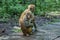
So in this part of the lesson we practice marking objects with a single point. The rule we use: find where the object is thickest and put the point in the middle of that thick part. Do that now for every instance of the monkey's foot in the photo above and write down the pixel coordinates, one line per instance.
(24, 34)
(36, 30)
(27, 35)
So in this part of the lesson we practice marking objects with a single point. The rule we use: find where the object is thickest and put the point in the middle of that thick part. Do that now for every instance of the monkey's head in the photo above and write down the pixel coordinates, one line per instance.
(31, 7)
(28, 16)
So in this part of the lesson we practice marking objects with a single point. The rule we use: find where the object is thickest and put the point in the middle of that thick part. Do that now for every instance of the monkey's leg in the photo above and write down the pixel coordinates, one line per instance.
(24, 33)
(23, 30)
(30, 30)
(35, 26)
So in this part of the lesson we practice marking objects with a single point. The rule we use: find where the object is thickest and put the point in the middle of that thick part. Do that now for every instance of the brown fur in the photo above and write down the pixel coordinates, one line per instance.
(23, 16)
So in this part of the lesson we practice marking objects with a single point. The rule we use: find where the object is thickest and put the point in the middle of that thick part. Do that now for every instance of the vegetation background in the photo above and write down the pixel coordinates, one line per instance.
(13, 8)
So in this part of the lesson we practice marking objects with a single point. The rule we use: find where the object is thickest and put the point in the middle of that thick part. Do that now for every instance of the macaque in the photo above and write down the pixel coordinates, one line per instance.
(27, 20)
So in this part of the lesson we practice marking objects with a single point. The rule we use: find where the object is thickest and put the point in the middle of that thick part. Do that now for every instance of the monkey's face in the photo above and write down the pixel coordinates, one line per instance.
(28, 16)
(31, 7)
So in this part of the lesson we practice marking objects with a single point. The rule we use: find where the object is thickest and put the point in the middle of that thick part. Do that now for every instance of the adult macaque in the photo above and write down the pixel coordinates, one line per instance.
(27, 20)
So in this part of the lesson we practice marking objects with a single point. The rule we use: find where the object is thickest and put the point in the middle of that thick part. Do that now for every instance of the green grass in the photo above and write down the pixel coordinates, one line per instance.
(17, 30)
(54, 21)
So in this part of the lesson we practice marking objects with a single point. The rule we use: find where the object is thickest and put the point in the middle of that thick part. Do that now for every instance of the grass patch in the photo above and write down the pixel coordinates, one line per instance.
(54, 21)
(17, 30)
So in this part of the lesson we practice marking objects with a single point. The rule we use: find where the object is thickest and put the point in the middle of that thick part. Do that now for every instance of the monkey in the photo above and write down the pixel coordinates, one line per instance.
(26, 26)
(27, 20)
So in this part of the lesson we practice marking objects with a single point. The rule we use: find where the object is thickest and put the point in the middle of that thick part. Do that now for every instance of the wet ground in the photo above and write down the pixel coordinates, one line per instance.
(45, 32)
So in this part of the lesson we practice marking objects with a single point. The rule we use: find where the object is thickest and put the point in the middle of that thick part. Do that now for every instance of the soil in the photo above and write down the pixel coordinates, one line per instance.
(45, 32)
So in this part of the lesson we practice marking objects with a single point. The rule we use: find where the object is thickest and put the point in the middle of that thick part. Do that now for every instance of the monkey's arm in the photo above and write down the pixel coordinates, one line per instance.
(28, 23)
(33, 21)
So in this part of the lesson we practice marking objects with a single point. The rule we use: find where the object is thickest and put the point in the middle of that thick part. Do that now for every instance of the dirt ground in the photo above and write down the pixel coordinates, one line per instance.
(45, 32)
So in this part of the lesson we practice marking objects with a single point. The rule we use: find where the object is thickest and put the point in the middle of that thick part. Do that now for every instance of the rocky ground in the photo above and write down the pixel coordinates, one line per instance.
(45, 32)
